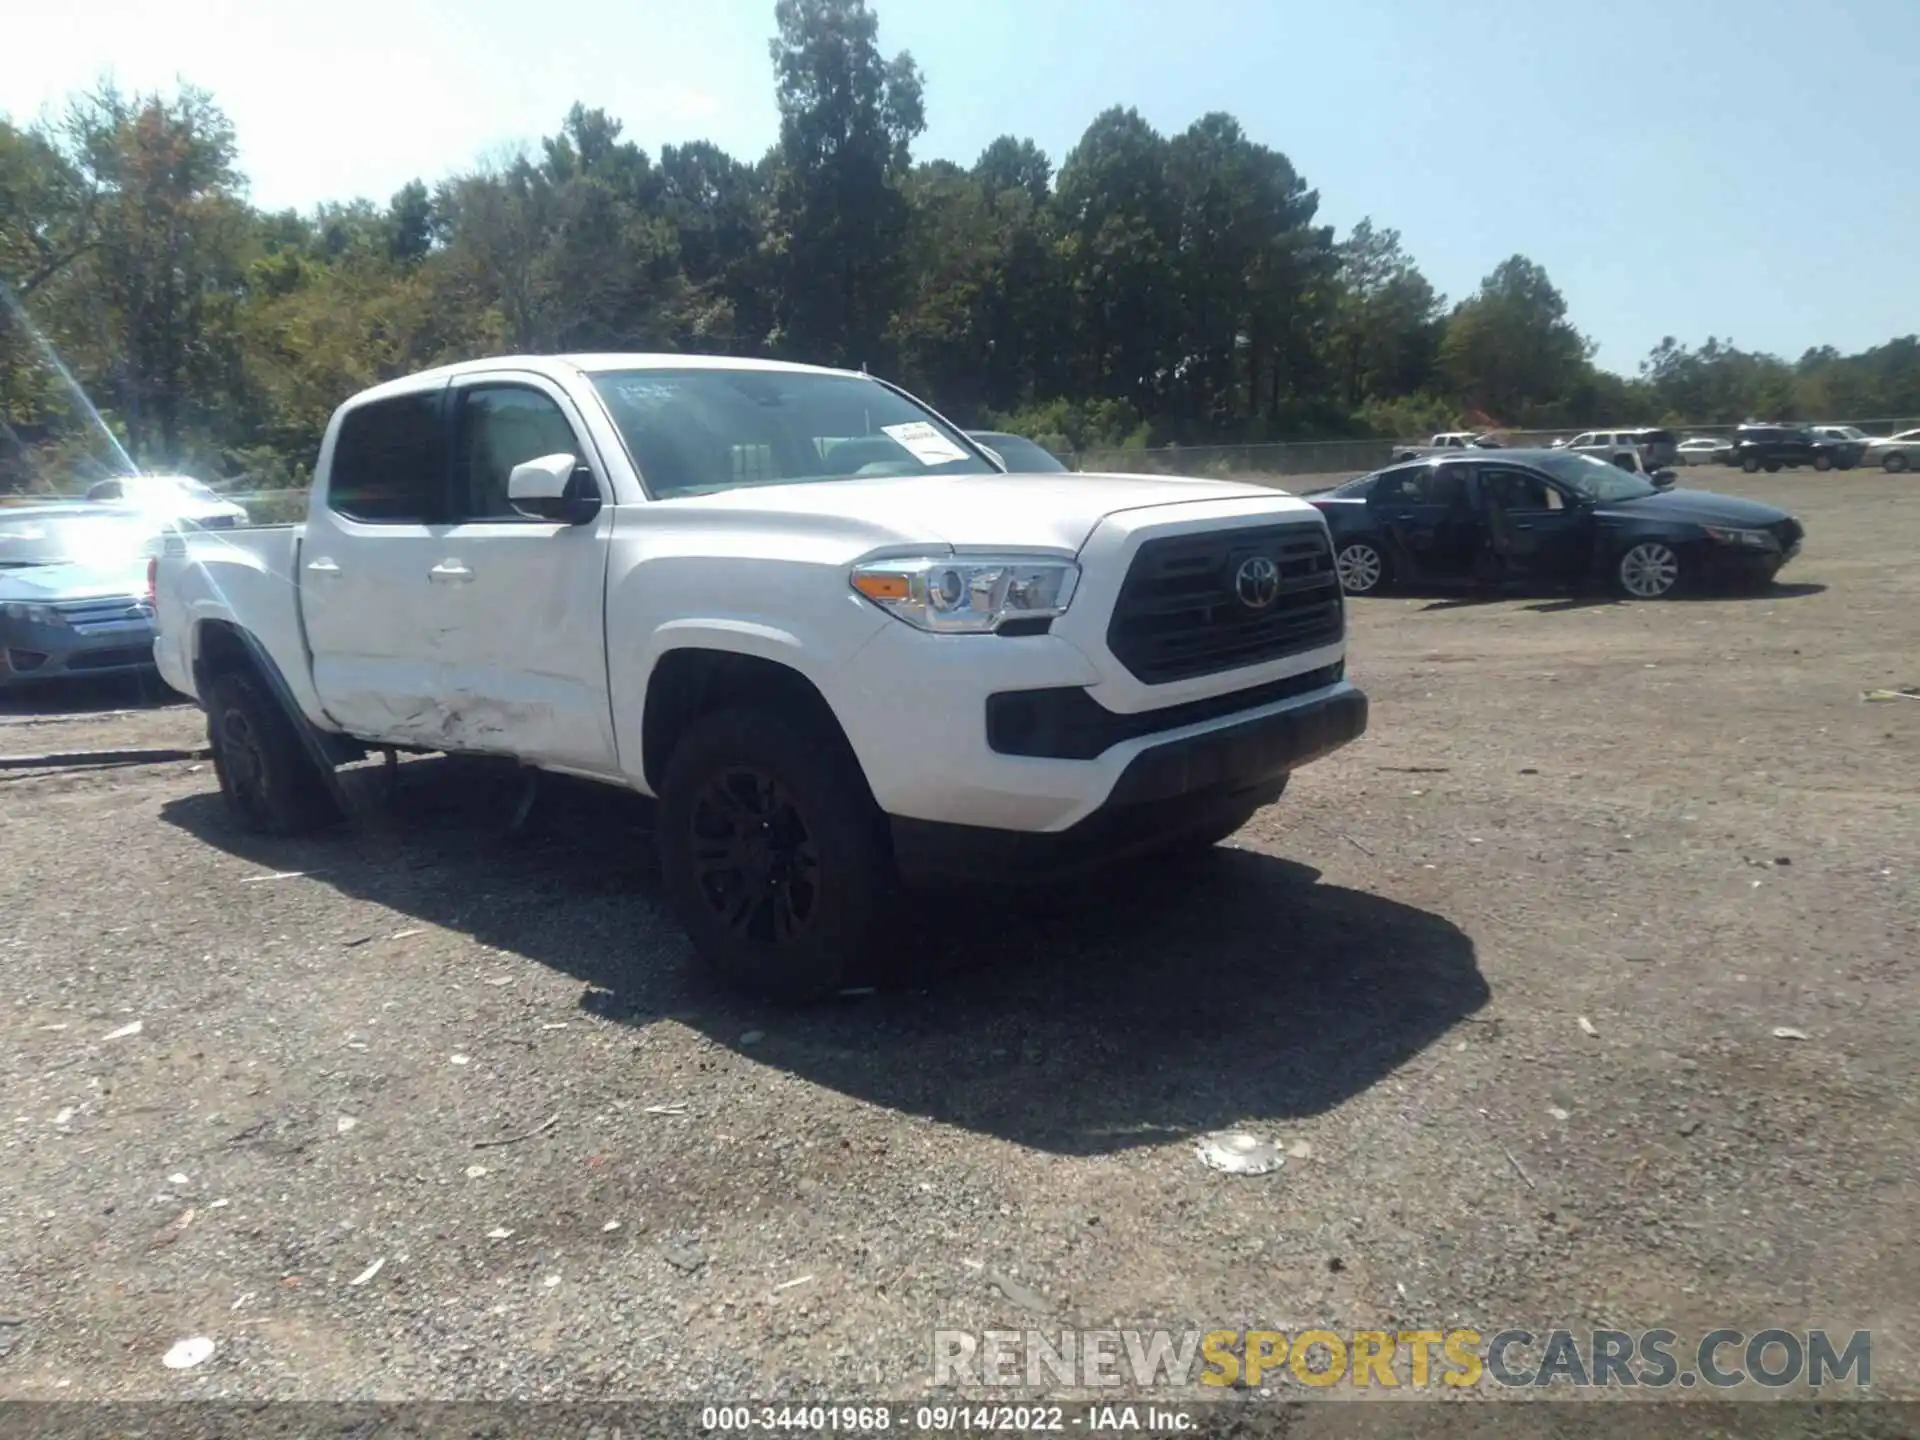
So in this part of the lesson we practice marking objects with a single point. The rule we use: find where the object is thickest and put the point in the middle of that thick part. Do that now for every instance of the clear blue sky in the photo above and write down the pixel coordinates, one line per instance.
(1734, 167)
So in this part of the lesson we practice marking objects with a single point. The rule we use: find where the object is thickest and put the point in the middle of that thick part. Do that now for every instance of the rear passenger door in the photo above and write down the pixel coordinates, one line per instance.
(521, 602)
(365, 597)
(1422, 513)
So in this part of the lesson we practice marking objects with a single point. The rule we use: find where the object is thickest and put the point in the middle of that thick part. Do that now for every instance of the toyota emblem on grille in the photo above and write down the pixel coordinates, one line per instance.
(1257, 582)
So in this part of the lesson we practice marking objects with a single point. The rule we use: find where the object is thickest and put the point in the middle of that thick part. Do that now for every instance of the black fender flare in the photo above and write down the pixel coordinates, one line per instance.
(328, 751)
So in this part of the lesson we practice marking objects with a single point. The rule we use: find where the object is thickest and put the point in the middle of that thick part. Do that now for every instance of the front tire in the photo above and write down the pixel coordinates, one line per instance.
(1649, 570)
(1751, 464)
(269, 781)
(1894, 463)
(1363, 568)
(1823, 462)
(772, 853)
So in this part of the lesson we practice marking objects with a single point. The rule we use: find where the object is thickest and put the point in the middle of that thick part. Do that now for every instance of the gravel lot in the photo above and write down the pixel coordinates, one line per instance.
(1680, 821)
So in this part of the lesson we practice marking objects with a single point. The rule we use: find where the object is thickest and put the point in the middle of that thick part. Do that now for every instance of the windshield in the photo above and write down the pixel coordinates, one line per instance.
(695, 432)
(100, 540)
(1358, 486)
(1022, 454)
(1594, 478)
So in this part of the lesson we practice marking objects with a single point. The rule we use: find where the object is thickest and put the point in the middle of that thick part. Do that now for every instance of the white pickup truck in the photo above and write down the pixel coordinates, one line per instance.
(839, 645)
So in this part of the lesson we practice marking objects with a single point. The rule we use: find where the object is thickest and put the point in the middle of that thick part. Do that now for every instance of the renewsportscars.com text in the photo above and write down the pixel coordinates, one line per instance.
(1512, 1358)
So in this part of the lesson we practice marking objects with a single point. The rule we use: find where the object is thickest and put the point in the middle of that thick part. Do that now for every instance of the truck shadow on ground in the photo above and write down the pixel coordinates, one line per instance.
(1160, 1000)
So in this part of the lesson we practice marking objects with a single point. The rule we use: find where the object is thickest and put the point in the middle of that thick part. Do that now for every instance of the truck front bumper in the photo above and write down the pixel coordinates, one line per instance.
(1168, 790)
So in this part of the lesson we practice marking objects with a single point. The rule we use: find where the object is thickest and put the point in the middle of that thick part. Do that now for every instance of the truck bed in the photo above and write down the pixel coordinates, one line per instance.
(212, 577)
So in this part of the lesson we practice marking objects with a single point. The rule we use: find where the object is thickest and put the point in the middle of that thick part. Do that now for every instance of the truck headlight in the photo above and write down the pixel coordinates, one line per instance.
(968, 594)
(1742, 539)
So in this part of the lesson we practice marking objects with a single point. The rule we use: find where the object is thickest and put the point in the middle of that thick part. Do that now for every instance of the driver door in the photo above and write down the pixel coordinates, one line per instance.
(1537, 528)
(519, 604)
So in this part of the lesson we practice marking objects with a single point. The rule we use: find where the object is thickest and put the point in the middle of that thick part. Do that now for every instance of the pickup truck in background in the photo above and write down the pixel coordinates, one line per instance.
(838, 644)
(1446, 442)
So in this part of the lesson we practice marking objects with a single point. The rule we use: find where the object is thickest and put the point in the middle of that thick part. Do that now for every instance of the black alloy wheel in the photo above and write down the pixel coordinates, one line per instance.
(755, 860)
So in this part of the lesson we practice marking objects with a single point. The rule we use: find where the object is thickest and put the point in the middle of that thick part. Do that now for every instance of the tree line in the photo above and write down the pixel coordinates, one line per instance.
(1151, 289)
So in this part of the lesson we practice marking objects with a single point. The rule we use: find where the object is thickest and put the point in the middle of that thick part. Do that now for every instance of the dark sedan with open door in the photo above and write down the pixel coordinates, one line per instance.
(1546, 517)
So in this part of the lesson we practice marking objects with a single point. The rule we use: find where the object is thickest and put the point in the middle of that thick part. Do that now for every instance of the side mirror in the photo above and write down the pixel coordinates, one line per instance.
(554, 487)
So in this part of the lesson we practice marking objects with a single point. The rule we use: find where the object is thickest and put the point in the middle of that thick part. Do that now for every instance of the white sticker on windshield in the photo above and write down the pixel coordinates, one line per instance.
(925, 443)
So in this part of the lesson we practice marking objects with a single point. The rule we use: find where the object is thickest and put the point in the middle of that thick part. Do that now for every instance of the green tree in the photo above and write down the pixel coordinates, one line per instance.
(1510, 350)
(848, 119)
(1119, 226)
(1386, 324)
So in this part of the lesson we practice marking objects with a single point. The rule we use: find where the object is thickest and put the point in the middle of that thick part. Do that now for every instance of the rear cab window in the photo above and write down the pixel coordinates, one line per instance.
(389, 462)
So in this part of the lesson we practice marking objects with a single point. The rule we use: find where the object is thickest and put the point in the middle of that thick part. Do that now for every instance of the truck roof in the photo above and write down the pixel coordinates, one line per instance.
(554, 366)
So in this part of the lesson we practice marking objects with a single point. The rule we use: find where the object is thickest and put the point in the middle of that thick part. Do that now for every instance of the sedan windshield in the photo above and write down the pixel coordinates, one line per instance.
(104, 540)
(696, 432)
(1595, 478)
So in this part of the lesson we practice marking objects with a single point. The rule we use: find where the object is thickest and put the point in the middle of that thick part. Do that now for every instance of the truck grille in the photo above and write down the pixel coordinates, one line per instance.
(1182, 613)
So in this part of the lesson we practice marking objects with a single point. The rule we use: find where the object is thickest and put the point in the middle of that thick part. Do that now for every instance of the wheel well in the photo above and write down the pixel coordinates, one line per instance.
(222, 649)
(689, 683)
(225, 649)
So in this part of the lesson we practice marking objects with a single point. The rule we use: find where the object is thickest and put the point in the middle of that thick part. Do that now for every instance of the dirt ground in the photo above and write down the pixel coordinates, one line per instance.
(1502, 980)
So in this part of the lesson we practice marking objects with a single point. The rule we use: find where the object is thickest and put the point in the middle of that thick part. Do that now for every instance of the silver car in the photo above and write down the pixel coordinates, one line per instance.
(73, 591)
(179, 498)
(1704, 450)
(1895, 452)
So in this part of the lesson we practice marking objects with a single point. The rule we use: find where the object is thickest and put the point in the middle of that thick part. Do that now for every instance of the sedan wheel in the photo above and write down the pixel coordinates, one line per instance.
(1649, 571)
(1894, 463)
(1362, 568)
(1823, 462)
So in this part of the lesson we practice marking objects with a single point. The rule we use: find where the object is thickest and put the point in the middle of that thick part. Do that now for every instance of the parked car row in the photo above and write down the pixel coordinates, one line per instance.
(1783, 447)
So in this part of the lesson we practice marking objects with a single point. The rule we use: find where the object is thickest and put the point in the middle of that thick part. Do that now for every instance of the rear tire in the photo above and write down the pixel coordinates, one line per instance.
(269, 781)
(1363, 568)
(1751, 464)
(772, 853)
(1894, 463)
(1823, 462)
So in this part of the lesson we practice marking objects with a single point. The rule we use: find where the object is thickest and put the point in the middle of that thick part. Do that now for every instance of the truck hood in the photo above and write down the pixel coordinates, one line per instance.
(45, 584)
(1696, 507)
(1049, 511)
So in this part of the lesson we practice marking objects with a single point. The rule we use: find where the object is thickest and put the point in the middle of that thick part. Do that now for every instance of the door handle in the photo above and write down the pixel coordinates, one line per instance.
(1523, 524)
(449, 572)
(1405, 515)
(324, 568)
